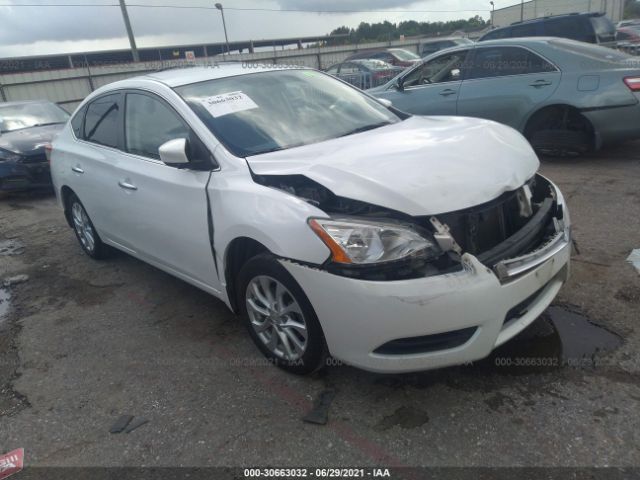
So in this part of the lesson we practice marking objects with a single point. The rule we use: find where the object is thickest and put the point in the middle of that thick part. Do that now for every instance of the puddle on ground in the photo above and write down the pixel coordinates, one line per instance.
(5, 296)
(11, 247)
(557, 339)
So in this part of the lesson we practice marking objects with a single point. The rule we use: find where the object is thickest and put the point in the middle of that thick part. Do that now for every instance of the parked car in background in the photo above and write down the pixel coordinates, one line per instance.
(584, 27)
(364, 74)
(26, 128)
(433, 45)
(628, 23)
(398, 57)
(330, 223)
(566, 97)
(628, 39)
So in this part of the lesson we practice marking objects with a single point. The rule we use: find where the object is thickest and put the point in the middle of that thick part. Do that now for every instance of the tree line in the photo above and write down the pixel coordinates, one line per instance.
(384, 31)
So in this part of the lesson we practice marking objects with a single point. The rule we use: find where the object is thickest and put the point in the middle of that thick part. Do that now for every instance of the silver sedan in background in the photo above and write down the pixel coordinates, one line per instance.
(566, 97)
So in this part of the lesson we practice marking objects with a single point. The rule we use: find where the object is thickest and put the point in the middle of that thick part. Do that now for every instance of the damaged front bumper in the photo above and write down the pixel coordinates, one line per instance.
(437, 321)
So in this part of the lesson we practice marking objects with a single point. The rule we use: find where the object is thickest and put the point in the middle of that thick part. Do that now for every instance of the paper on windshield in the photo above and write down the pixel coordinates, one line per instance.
(226, 103)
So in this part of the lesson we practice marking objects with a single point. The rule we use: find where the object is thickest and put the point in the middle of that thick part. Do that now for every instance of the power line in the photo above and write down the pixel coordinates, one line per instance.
(197, 7)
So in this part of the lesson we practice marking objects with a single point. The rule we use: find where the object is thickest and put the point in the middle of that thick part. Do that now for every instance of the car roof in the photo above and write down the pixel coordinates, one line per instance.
(553, 17)
(183, 76)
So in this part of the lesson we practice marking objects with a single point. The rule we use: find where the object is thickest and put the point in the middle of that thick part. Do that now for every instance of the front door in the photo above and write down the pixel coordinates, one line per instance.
(431, 88)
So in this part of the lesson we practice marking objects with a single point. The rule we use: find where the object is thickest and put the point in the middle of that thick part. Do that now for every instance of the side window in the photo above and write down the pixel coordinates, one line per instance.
(526, 30)
(102, 121)
(446, 68)
(149, 123)
(77, 122)
(571, 27)
(349, 69)
(496, 34)
(506, 61)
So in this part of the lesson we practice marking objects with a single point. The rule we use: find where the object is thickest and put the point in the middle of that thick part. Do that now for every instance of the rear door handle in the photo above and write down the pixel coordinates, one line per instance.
(77, 169)
(127, 185)
(447, 92)
(540, 83)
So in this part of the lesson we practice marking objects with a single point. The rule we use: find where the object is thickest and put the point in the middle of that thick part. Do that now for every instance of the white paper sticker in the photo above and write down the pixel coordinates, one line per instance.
(227, 103)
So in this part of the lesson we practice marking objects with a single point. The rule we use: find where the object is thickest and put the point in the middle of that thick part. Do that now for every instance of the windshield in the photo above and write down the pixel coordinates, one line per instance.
(404, 54)
(26, 115)
(269, 111)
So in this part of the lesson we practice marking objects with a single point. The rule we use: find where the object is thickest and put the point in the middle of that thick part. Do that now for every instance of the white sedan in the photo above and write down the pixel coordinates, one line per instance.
(331, 222)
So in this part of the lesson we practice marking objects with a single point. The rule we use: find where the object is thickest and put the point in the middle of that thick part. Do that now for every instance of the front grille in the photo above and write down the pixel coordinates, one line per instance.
(499, 229)
(481, 228)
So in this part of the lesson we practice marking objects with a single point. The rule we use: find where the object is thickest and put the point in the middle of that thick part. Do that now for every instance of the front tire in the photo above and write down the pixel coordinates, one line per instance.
(279, 316)
(85, 231)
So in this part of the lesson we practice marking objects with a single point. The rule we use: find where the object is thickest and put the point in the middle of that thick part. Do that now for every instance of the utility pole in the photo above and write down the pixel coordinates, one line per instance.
(127, 24)
(522, 11)
(224, 25)
(493, 14)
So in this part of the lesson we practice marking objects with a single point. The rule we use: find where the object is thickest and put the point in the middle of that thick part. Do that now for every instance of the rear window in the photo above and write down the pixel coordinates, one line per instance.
(605, 31)
(593, 52)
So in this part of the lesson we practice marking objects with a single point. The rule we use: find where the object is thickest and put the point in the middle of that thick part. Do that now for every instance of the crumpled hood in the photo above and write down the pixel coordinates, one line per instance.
(29, 141)
(420, 166)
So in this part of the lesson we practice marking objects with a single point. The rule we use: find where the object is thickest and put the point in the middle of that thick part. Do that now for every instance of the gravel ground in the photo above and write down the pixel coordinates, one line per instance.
(84, 342)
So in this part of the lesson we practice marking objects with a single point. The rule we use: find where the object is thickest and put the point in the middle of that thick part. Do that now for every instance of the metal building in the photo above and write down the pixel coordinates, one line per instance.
(545, 8)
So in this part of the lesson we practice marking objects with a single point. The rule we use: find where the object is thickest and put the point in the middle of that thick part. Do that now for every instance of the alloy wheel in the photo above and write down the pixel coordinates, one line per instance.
(277, 318)
(83, 228)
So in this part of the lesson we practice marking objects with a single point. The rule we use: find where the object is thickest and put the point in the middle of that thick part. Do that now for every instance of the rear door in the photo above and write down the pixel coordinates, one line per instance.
(432, 88)
(506, 83)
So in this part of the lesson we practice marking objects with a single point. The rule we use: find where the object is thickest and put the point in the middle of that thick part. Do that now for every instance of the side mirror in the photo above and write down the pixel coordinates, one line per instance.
(174, 152)
(400, 84)
(385, 102)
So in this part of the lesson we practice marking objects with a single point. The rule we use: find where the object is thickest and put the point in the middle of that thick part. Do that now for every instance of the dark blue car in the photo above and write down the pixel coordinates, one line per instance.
(25, 129)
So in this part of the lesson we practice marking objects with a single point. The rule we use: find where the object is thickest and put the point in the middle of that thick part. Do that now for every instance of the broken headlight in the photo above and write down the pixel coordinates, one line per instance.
(362, 242)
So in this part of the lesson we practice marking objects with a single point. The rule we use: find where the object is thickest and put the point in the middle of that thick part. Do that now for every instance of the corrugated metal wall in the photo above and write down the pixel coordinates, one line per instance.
(70, 86)
(545, 8)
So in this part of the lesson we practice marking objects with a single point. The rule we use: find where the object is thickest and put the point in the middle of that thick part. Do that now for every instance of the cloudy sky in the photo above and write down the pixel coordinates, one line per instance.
(38, 27)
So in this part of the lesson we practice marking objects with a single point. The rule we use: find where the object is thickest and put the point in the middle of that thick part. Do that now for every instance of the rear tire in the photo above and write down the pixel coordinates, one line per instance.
(85, 231)
(279, 316)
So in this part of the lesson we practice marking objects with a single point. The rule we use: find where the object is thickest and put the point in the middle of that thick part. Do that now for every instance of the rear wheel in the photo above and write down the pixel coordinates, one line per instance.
(279, 316)
(85, 231)
(560, 132)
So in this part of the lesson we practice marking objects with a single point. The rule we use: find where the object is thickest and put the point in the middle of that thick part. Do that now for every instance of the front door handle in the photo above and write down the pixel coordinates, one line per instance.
(77, 169)
(540, 83)
(447, 92)
(127, 185)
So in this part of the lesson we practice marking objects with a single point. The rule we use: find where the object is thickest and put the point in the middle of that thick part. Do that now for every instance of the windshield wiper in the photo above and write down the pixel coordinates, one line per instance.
(366, 128)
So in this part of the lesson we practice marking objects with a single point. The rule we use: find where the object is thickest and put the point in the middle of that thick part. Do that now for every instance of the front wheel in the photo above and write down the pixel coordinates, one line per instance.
(279, 316)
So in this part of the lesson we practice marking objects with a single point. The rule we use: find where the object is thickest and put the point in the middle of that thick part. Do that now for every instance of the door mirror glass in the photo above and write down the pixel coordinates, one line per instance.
(385, 102)
(174, 152)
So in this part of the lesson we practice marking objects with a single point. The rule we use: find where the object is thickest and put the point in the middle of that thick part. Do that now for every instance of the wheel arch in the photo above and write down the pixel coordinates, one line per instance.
(547, 109)
(65, 194)
(238, 252)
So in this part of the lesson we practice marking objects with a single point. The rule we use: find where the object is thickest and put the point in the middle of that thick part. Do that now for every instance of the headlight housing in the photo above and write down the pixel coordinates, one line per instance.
(361, 242)
(6, 155)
